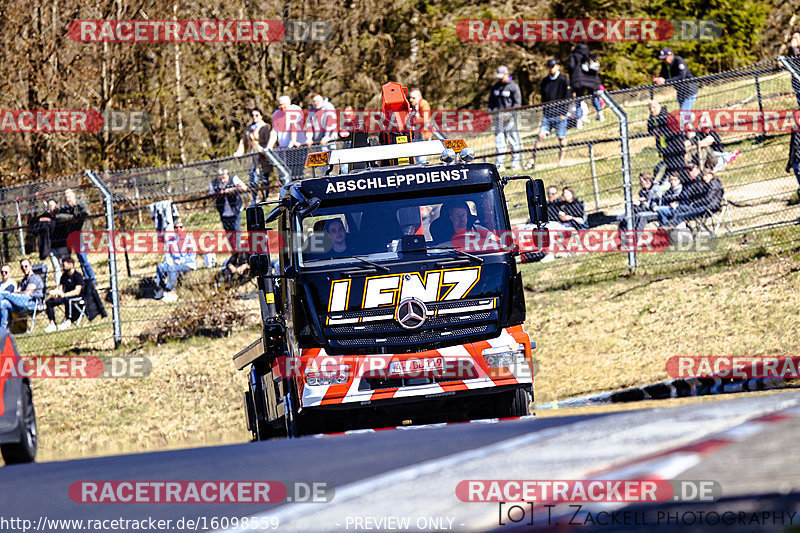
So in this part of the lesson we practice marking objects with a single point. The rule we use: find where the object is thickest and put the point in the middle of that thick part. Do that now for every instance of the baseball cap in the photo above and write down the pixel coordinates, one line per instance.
(552, 62)
(664, 53)
(502, 72)
(222, 171)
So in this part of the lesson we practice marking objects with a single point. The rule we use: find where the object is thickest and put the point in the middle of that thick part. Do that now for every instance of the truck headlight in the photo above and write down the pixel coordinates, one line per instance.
(504, 356)
(335, 375)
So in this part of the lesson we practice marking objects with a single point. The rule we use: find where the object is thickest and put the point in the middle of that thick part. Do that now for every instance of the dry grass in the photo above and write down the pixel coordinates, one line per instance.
(617, 334)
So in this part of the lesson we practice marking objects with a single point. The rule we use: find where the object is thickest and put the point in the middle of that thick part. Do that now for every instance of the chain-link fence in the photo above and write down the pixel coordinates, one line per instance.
(615, 139)
(749, 155)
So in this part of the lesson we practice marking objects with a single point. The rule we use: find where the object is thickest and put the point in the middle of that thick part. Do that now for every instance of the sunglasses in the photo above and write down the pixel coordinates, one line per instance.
(6, 272)
(178, 227)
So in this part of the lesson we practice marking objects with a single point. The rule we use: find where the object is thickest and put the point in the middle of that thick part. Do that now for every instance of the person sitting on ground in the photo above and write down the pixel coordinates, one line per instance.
(553, 203)
(707, 151)
(8, 284)
(69, 286)
(572, 212)
(29, 291)
(237, 265)
(178, 260)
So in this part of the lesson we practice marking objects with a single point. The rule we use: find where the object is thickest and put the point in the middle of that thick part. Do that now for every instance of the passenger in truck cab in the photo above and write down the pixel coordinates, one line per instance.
(335, 230)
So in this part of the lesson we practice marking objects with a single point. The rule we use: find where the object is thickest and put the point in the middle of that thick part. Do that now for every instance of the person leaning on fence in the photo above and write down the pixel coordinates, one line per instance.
(179, 258)
(43, 226)
(288, 133)
(794, 158)
(669, 142)
(24, 299)
(76, 216)
(505, 94)
(584, 78)
(674, 71)
(8, 284)
(254, 139)
(555, 88)
(69, 286)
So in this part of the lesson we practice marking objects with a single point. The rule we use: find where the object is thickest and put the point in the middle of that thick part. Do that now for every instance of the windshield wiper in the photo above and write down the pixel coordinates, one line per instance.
(369, 263)
(462, 253)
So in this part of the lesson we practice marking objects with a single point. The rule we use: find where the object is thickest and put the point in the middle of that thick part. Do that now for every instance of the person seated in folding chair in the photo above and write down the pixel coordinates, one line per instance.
(708, 200)
(69, 286)
(29, 291)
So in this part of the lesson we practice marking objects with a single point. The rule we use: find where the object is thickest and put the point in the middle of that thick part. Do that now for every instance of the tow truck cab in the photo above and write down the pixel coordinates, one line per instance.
(397, 299)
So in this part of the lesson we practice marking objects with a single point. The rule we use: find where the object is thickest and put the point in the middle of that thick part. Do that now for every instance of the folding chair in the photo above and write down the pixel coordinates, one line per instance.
(79, 304)
(712, 221)
(40, 269)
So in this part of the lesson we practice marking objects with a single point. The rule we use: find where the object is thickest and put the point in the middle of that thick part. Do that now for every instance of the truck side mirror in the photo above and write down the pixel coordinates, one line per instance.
(537, 201)
(259, 263)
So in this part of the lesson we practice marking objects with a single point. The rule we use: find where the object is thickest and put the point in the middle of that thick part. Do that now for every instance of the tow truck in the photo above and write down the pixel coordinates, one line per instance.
(379, 314)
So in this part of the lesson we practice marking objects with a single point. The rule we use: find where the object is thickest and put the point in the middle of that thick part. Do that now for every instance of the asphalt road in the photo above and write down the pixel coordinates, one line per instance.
(406, 479)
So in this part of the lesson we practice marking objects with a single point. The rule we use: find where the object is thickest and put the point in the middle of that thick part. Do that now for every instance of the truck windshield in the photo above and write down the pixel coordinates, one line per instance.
(374, 230)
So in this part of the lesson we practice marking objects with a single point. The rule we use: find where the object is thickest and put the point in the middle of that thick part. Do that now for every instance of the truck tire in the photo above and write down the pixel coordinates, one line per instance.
(25, 450)
(512, 404)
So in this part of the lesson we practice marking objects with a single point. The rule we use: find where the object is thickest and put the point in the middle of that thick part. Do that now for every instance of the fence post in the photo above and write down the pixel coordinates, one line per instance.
(594, 178)
(626, 170)
(763, 135)
(277, 163)
(793, 69)
(21, 233)
(112, 256)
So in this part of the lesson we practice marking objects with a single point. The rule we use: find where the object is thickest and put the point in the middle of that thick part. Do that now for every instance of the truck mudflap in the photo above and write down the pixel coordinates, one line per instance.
(504, 360)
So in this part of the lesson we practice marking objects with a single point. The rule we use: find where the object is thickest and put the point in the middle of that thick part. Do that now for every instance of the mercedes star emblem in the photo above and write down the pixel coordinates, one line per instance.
(411, 313)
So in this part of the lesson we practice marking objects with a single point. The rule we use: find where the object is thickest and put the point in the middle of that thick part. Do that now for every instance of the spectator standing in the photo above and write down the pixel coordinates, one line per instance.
(44, 227)
(794, 157)
(69, 286)
(675, 72)
(178, 260)
(584, 78)
(555, 88)
(504, 95)
(76, 214)
(8, 284)
(669, 141)
(288, 134)
(254, 139)
(422, 115)
(321, 122)
(29, 291)
(794, 55)
(227, 195)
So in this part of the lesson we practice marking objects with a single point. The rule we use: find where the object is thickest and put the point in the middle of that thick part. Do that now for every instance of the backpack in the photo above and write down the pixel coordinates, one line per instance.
(591, 65)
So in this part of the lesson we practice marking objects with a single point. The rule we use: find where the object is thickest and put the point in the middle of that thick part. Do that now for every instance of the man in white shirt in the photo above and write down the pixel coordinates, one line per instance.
(8, 284)
(288, 132)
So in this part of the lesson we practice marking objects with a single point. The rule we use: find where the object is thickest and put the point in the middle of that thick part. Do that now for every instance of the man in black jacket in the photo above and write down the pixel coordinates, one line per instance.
(794, 157)
(555, 88)
(584, 77)
(700, 196)
(675, 72)
(505, 94)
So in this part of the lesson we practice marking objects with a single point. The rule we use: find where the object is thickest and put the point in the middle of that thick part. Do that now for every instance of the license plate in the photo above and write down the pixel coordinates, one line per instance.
(417, 366)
